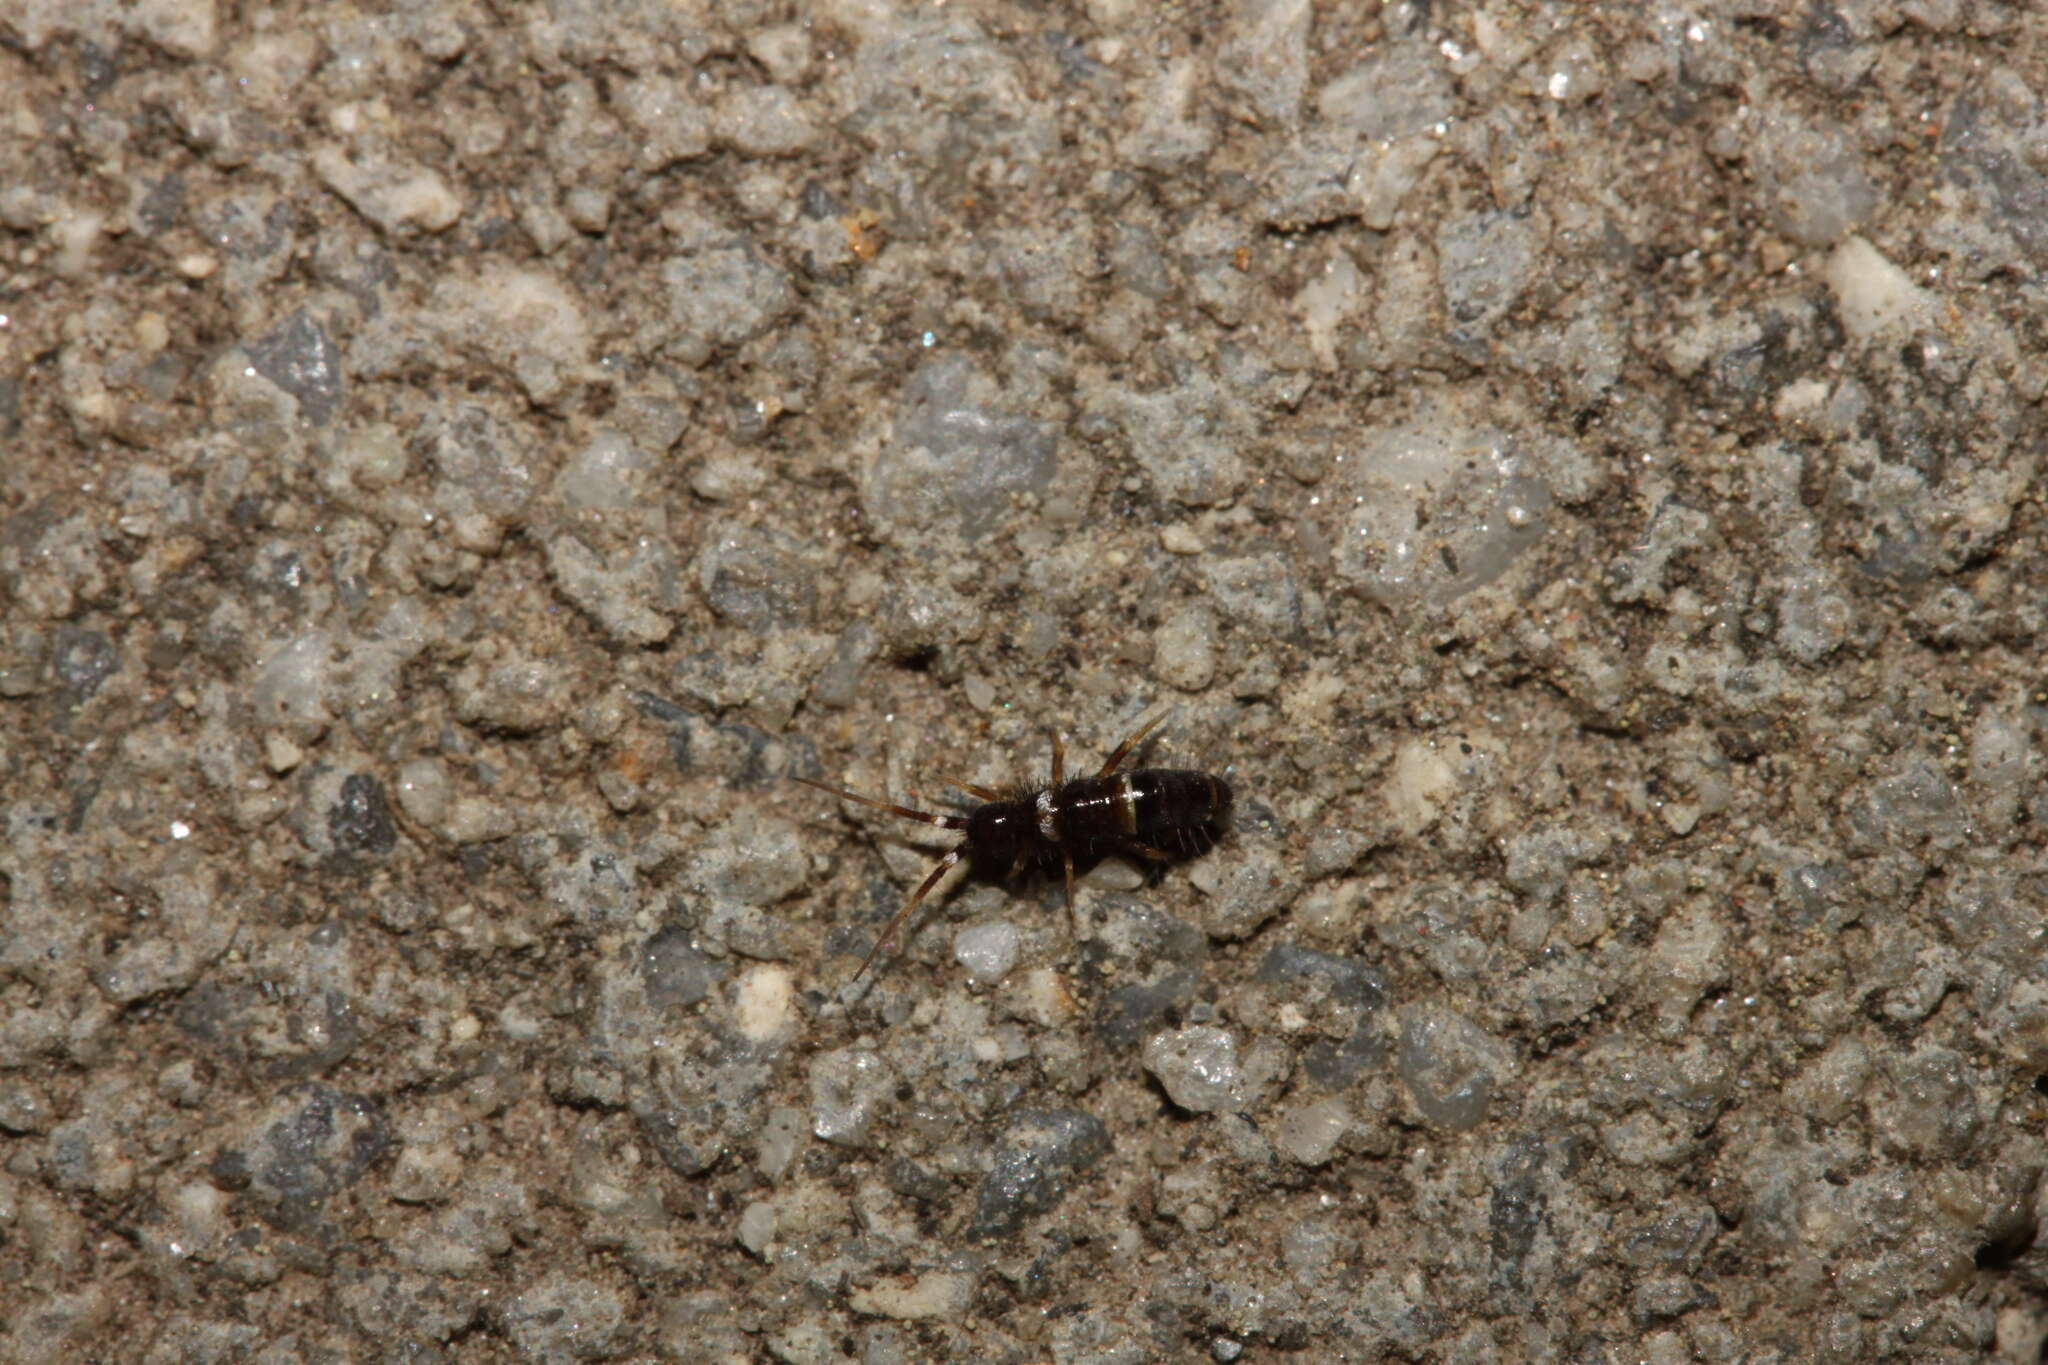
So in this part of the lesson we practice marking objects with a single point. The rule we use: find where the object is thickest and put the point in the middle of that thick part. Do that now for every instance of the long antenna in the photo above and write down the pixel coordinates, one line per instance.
(942, 821)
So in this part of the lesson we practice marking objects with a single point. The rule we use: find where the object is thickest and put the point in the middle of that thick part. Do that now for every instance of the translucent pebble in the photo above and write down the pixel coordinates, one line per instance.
(757, 1227)
(1199, 1068)
(848, 1087)
(1444, 1060)
(989, 950)
(609, 473)
(291, 685)
(423, 790)
(1309, 1132)
(1434, 514)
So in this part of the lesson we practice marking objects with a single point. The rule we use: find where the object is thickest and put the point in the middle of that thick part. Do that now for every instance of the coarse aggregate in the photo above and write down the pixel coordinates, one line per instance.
(1576, 470)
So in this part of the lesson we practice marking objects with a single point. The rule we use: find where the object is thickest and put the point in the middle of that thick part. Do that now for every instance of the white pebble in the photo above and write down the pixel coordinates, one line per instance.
(988, 950)
(423, 790)
(762, 1003)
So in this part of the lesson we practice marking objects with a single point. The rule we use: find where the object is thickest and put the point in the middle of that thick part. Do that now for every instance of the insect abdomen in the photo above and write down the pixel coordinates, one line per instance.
(1162, 808)
(1177, 810)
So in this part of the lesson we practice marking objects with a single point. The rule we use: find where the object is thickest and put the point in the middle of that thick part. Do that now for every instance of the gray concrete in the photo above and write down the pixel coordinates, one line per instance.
(1576, 469)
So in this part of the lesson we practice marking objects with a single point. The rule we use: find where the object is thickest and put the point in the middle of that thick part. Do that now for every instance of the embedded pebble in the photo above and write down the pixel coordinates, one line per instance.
(563, 1317)
(391, 194)
(301, 358)
(720, 297)
(780, 1138)
(934, 1295)
(757, 1228)
(761, 580)
(609, 474)
(477, 819)
(360, 820)
(1043, 1152)
(848, 1089)
(423, 790)
(1243, 892)
(1450, 1066)
(763, 1004)
(988, 951)
(957, 454)
(1309, 1132)
(628, 591)
(1485, 507)
(24, 1108)
(1875, 296)
(751, 861)
(290, 687)
(1199, 1067)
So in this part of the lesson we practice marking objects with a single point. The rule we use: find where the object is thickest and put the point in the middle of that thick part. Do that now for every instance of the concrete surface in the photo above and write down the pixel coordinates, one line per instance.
(1575, 468)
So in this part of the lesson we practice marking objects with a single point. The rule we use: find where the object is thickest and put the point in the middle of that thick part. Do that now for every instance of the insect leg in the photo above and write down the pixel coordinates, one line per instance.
(1123, 750)
(1157, 855)
(1059, 759)
(896, 921)
(1073, 918)
(942, 821)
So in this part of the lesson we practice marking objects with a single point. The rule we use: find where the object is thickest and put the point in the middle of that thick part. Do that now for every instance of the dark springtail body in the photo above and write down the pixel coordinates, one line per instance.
(1154, 813)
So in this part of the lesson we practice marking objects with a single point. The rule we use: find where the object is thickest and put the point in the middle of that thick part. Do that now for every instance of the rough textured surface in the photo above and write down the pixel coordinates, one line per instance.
(1577, 467)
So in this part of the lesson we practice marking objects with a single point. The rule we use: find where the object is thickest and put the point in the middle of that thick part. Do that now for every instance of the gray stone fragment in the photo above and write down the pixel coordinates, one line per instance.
(24, 1107)
(484, 464)
(299, 357)
(1400, 89)
(311, 1145)
(760, 579)
(1931, 1112)
(609, 474)
(1485, 261)
(1315, 982)
(1265, 57)
(563, 1317)
(762, 121)
(629, 591)
(1044, 1152)
(1258, 591)
(1450, 1065)
(1199, 1068)
(82, 660)
(1242, 893)
(988, 950)
(720, 297)
(1185, 436)
(848, 1088)
(750, 861)
(1152, 961)
(674, 974)
(956, 456)
(360, 819)
(1436, 512)
(1811, 180)
(1984, 147)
